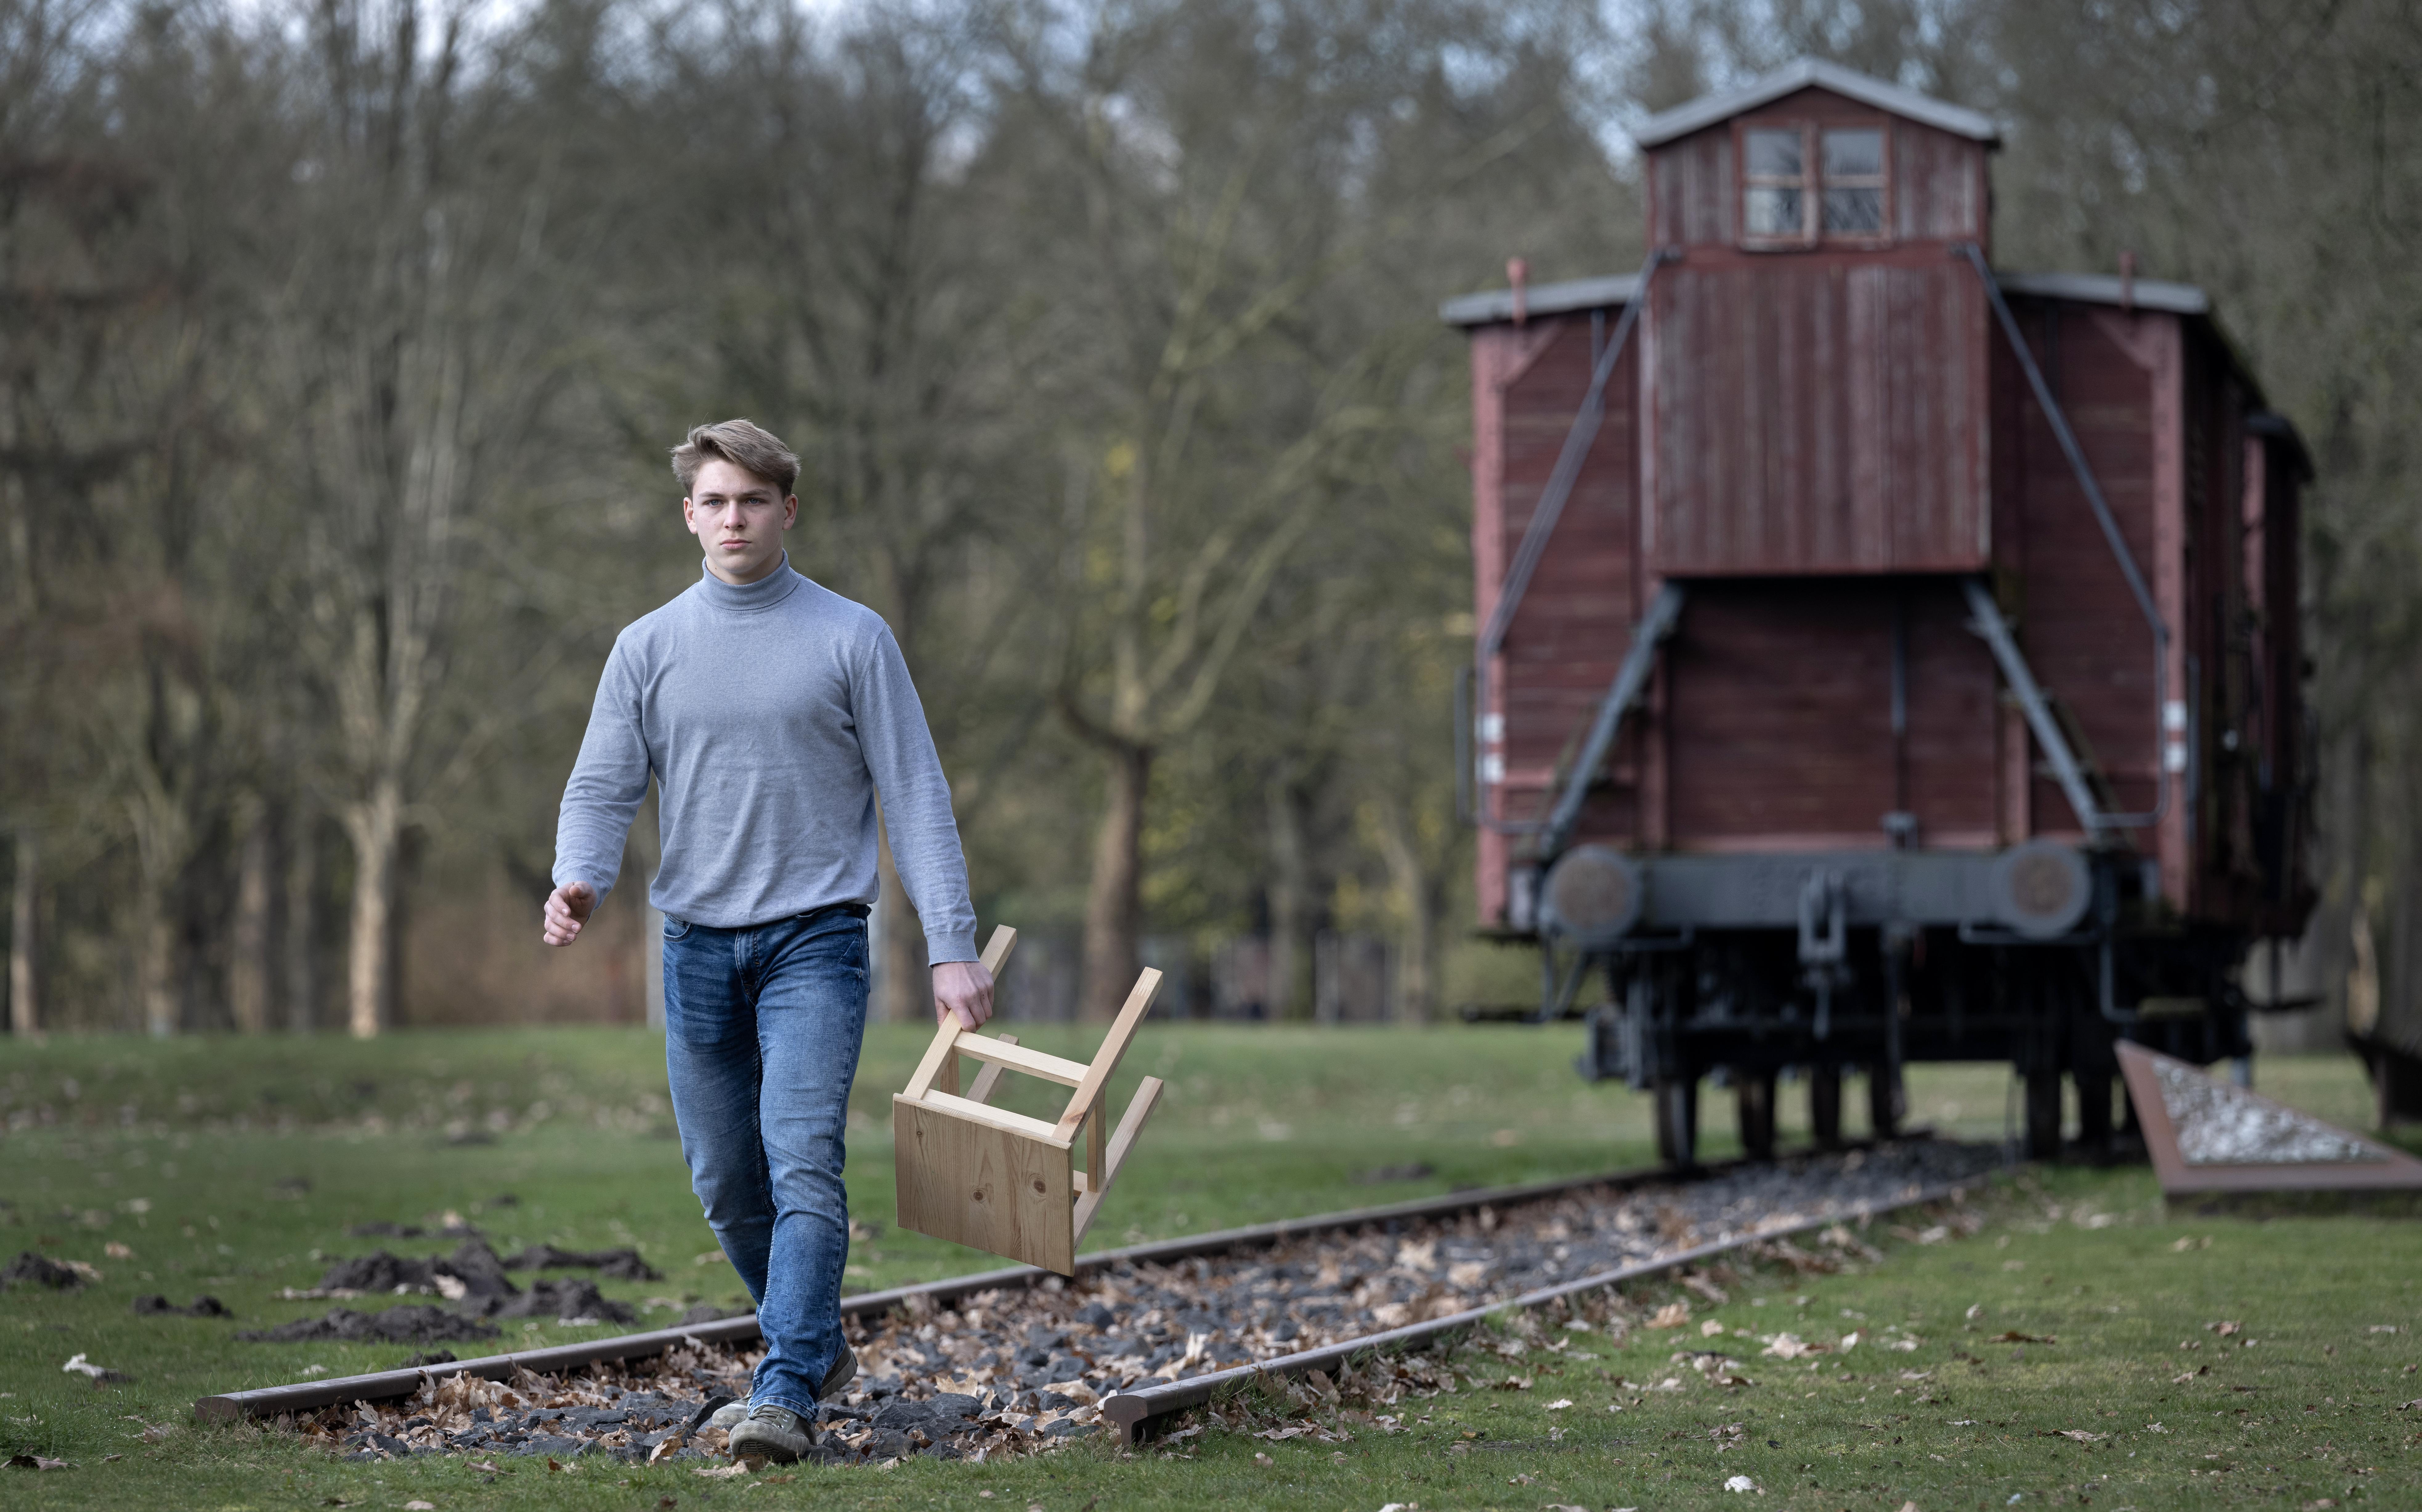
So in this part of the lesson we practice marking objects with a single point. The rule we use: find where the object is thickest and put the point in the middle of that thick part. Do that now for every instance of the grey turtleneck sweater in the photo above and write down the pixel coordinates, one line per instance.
(774, 715)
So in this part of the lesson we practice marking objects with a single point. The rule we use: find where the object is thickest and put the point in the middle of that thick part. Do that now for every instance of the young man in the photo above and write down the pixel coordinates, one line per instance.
(773, 714)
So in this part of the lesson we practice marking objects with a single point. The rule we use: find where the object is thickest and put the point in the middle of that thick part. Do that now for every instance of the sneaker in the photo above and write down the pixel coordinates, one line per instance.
(844, 1370)
(774, 1434)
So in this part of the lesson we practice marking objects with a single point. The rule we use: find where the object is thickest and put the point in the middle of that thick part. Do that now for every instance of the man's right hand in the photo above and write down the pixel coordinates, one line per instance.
(567, 909)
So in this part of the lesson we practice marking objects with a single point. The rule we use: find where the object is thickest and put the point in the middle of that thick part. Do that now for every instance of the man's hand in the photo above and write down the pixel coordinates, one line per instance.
(568, 908)
(963, 988)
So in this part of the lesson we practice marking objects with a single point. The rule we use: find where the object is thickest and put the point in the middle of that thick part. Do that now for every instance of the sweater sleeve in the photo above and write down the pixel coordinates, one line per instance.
(608, 783)
(916, 799)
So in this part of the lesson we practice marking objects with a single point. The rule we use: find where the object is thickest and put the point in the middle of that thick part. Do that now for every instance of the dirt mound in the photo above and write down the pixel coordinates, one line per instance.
(161, 1307)
(29, 1269)
(472, 1264)
(410, 1323)
(613, 1265)
(567, 1300)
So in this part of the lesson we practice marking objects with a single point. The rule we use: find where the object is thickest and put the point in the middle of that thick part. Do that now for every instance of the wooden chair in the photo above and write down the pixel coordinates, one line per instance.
(1001, 1181)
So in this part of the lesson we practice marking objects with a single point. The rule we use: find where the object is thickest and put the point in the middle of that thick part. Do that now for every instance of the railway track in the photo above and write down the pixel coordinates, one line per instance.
(1016, 1359)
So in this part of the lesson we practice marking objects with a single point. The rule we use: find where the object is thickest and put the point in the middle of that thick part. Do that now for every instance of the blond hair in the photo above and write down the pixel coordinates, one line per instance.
(745, 445)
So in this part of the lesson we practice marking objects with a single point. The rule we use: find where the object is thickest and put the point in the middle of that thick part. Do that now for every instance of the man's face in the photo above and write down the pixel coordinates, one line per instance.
(738, 517)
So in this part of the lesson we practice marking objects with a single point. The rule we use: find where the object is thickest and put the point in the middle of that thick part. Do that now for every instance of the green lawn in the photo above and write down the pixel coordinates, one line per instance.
(235, 1166)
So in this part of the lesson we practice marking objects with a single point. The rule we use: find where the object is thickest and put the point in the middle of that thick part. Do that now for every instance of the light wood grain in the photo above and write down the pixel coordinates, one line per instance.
(988, 1187)
(989, 1078)
(1114, 1048)
(1000, 1118)
(1007, 1052)
(939, 1068)
(1138, 1108)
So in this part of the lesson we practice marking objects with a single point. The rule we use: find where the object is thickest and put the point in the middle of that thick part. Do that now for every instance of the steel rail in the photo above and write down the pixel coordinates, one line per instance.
(383, 1385)
(1136, 1412)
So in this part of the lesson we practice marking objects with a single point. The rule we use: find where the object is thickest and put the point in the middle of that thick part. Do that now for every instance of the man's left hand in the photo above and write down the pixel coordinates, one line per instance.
(963, 988)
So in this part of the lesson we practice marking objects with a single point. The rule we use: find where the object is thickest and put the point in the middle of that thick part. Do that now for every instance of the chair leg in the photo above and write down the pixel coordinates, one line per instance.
(1138, 1108)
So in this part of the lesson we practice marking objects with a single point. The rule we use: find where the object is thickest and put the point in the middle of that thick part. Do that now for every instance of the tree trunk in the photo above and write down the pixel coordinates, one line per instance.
(1290, 905)
(907, 976)
(375, 825)
(1416, 897)
(1115, 899)
(302, 920)
(25, 927)
(155, 957)
(248, 965)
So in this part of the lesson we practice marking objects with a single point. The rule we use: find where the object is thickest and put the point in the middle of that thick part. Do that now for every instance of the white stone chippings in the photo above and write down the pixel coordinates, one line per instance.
(2220, 1125)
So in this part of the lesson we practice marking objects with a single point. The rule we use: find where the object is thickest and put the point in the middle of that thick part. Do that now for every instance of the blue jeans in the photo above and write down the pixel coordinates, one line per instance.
(761, 1033)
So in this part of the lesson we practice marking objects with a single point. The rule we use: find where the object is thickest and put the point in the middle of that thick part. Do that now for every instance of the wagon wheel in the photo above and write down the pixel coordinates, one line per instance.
(1886, 1100)
(2043, 1115)
(1825, 1105)
(1754, 1108)
(1677, 1120)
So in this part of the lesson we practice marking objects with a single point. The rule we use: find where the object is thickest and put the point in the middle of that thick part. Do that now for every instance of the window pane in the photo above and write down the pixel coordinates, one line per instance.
(1850, 154)
(1857, 211)
(1773, 213)
(1774, 154)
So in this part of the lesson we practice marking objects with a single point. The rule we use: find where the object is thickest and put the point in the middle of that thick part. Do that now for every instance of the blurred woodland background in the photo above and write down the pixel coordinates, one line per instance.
(341, 343)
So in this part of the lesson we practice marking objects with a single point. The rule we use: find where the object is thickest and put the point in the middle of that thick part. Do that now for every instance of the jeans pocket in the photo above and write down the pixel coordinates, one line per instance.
(675, 928)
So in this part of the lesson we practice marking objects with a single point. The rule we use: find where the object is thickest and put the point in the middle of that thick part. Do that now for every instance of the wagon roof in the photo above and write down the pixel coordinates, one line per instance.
(1492, 307)
(1808, 73)
(1489, 305)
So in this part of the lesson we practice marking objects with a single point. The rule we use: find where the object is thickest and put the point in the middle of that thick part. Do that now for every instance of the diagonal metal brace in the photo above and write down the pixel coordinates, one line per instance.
(1996, 631)
(1630, 680)
(2070, 448)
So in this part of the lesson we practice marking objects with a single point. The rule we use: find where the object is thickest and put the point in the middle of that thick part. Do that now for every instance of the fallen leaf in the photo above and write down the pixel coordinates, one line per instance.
(2224, 1328)
(1709, 1328)
(2014, 1336)
(1560, 1404)
(116, 1251)
(2079, 1434)
(1740, 1483)
(1672, 1315)
(2185, 1376)
(1522, 1480)
(1975, 1312)
(2192, 1242)
(419, 1506)
(1514, 1383)
(738, 1467)
(1909, 1506)
(35, 1462)
(1262, 1459)
(490, 1466)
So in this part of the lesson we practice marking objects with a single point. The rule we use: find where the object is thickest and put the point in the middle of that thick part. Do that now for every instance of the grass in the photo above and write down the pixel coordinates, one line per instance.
(234, 1167)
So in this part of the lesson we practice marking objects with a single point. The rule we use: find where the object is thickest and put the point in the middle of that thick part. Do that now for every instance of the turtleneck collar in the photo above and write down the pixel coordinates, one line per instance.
(764, 593)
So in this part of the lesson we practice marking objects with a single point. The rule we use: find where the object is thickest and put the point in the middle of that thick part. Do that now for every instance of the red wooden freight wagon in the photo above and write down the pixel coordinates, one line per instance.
(1882, 656)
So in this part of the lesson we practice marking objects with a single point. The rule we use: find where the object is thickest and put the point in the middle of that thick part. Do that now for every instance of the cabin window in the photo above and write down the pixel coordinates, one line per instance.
(1854, 182)
(1803, 184)
(1777, 179)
